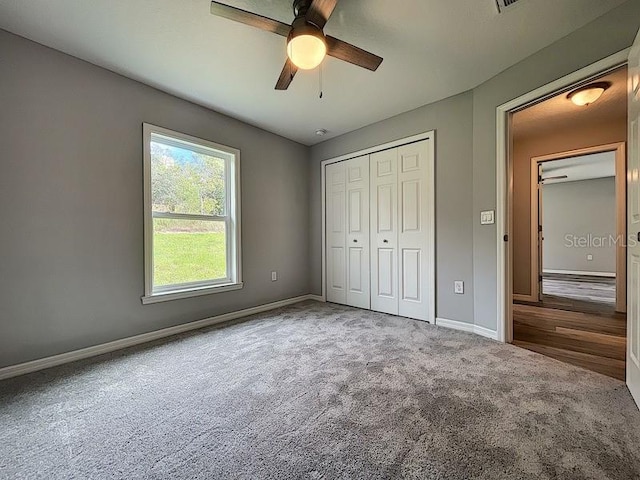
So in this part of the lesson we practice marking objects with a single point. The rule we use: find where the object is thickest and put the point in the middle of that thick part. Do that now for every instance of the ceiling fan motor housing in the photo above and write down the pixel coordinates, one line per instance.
(301, 27)
(301, 7)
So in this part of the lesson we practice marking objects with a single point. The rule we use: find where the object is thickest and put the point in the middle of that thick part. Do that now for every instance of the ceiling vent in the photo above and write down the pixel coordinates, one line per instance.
(504, 4)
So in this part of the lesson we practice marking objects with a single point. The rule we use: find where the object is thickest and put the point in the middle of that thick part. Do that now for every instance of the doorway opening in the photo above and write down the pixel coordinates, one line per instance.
(578, 227)
(568, 227)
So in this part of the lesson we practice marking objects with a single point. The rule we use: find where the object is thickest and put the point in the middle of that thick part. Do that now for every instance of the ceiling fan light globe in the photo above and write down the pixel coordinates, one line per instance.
(306, 51)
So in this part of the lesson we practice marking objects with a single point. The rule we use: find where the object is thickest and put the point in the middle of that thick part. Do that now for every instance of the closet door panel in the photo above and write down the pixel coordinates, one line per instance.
(384, 231)
(357, 235)
(414, 236)
(386, 273)
(336, 232)
(411, 281)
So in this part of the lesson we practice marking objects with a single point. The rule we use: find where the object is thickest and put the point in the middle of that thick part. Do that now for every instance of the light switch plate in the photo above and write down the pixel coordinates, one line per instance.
(458, 287)
(487, 217)
(274, 276)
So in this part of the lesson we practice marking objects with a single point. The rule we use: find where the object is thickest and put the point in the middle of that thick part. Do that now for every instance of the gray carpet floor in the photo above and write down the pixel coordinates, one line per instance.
(319, 391)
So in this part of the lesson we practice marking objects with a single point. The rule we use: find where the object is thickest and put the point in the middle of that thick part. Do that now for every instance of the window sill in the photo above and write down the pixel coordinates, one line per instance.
(194, 292)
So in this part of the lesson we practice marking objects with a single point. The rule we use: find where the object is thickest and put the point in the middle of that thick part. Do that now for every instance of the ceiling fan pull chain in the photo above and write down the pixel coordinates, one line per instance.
(320, 71)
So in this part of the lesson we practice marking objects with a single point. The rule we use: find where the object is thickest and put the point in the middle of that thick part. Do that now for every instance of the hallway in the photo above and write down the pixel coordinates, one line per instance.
(592, 340)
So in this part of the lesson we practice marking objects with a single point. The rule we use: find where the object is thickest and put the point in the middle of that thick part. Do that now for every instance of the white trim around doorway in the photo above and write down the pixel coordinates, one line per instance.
(503, 177)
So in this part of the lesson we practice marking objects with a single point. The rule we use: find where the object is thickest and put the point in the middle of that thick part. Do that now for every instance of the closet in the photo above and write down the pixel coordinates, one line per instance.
(379, 231)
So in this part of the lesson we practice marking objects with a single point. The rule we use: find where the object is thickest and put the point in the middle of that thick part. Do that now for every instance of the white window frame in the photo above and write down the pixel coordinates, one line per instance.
(232, 221)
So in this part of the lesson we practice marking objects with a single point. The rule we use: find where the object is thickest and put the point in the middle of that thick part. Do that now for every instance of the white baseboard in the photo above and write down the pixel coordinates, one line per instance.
(485, 332)
(55, 360)
(467, 327)
(580, 272)
(455, 325)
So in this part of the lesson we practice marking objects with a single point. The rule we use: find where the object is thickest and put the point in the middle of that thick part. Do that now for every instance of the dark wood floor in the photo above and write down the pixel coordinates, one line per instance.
(589, 339)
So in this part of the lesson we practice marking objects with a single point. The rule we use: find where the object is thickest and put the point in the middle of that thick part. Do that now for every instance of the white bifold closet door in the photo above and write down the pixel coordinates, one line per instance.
(347, 207)
(401, 230)
(384, 231)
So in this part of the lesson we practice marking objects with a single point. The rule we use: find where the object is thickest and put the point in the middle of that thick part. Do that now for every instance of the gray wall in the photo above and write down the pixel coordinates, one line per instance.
(451, 119)
(71, 273)
(71, 189)
(605, 36)
(579, 209)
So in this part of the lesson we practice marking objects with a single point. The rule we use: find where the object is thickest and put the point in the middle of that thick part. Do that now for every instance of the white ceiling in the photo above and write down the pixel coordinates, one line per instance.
(585, 167)
(432, 50)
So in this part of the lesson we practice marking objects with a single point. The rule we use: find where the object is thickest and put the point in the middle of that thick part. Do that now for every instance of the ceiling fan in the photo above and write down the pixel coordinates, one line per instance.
(307, 45)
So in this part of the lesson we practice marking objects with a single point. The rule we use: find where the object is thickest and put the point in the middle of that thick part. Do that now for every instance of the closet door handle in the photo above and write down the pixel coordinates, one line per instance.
(355, 241)
(385, 241)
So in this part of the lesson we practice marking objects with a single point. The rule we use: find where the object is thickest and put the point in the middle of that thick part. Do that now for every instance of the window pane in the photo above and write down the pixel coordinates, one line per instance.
(183, 181)
(187, 251)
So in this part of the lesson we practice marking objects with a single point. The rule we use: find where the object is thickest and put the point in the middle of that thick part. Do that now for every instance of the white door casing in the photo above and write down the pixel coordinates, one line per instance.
(357, 232)
(336, 232)
(633, 224)
(384, 231)
(415, 224)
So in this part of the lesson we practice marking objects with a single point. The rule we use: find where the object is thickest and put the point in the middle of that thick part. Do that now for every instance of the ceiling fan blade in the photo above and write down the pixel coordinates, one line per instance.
(248, 18)
(352, 54)
(320, 11)
(286, 76)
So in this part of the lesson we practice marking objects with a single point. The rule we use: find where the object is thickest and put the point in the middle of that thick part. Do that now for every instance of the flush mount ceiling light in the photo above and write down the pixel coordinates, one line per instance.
(588, 94)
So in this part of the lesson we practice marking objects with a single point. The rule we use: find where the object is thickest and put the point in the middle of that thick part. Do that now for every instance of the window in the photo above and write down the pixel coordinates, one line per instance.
(192, 216)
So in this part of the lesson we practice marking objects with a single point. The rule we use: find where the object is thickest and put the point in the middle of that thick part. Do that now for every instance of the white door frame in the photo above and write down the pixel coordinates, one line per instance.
(619, 149)
(504, 177)
(430, 135)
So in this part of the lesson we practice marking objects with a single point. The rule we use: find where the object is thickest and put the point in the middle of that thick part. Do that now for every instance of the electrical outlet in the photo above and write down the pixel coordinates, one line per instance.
(274, 276)
(589, 258)
(458, 287)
